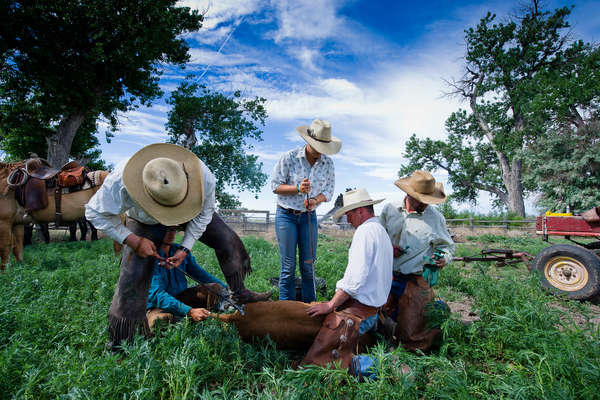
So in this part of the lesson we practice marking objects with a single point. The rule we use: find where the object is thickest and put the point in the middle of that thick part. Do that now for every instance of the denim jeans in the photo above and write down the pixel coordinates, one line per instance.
(292, 232)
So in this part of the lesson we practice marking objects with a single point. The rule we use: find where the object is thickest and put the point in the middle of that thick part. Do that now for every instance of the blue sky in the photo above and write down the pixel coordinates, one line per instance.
(374, 69)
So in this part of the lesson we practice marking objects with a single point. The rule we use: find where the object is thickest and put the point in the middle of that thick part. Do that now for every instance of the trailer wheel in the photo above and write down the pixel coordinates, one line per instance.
(570, 270)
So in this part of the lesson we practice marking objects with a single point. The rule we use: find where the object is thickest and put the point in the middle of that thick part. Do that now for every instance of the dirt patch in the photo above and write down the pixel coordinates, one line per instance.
(465, 309)
(581, 320)
(460, 233)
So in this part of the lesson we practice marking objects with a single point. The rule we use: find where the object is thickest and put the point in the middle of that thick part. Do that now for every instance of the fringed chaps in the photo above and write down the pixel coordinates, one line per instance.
(127, 313)
(337, 340)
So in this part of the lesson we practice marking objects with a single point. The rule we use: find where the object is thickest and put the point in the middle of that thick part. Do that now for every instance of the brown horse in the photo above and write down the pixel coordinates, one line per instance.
(11, 218)
(11, 213)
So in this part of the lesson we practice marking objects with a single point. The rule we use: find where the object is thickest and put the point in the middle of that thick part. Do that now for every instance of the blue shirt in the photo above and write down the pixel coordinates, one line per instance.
(168, 283)
(293, 167)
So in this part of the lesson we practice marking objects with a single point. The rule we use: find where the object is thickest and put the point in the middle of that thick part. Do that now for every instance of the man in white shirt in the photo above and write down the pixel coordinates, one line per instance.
(363, 289)
(422, 247)
(161, 185)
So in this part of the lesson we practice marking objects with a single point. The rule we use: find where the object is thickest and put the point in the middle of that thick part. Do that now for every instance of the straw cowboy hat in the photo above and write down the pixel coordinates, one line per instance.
(353, 199)
(165, 180)
(318, 135)
(422, 186)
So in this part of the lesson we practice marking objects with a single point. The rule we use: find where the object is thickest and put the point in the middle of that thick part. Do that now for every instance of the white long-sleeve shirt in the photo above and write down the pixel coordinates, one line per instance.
(422, 232)
(368, 276)
(103, 210)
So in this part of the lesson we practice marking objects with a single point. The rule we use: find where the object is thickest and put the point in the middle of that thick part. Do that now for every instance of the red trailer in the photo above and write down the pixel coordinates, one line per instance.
(571, 269)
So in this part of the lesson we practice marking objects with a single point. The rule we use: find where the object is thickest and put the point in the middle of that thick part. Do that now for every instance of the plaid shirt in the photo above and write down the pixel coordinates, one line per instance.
(293, 167)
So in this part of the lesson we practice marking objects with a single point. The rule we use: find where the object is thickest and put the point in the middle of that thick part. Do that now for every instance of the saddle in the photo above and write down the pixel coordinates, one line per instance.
(32, 183)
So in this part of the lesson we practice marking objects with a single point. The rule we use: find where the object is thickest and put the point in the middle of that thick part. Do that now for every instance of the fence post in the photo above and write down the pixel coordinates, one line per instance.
(471, 226)
(267, 219)
(505, 220)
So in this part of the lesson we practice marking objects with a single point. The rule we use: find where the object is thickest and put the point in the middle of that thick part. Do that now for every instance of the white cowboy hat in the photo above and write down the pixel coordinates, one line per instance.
(353, 199)
(165, 180)
(422, 186)
(318, 135)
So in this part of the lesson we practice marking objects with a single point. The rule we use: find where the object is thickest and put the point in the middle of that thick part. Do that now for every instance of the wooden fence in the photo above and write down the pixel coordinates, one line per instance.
(250, 221)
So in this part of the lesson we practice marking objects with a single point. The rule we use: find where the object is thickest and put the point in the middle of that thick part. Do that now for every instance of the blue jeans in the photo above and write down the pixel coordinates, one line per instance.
(292, 231)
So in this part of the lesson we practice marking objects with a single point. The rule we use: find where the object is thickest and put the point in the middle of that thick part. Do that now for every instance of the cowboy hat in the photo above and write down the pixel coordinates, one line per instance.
(318, 135)
(422, 186)
(354, 199)
(165, 180)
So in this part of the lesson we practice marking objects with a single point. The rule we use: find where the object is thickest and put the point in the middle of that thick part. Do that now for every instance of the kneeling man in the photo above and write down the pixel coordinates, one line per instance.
(169, 297)
(365, 285)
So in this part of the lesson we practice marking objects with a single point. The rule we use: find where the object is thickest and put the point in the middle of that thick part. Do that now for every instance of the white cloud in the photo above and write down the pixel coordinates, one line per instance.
(307, 57)
(305, 19)
(213, 58)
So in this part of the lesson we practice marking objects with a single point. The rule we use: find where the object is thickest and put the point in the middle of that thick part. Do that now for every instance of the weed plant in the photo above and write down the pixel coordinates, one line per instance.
(53, 332)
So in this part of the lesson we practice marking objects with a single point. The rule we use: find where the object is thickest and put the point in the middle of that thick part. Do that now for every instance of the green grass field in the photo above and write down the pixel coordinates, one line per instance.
(525, 343)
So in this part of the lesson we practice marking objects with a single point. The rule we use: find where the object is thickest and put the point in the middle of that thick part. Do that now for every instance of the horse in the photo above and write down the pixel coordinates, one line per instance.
(17, 180)
(11, 218)
(82, 223)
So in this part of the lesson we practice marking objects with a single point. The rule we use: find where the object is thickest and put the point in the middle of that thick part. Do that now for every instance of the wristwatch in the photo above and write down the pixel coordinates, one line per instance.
(187, 251)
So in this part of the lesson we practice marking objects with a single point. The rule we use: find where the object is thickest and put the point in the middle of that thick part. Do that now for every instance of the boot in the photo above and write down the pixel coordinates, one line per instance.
(248, 296)
(243, 295)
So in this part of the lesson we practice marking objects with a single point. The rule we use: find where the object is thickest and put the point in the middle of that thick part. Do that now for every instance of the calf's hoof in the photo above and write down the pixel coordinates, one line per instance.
(248, 296)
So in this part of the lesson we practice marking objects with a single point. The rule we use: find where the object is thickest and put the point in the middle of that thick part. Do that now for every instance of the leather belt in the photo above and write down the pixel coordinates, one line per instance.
(291, 210)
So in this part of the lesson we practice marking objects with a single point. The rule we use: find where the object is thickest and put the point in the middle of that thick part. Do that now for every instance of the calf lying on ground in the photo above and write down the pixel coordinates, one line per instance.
(286, 322)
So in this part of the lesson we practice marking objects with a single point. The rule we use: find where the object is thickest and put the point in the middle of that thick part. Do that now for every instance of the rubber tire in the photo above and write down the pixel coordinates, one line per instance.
(590, 261)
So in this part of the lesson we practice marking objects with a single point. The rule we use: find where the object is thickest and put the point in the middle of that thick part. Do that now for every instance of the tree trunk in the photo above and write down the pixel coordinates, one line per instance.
(59, 144)
(190, 135)
(512, 176)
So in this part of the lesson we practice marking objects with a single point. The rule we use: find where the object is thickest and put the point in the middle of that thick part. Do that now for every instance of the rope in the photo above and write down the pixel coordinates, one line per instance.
(312, 250)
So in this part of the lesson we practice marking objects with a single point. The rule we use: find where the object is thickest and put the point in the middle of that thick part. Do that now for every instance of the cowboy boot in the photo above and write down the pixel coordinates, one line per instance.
(248, 296)
(243, 295)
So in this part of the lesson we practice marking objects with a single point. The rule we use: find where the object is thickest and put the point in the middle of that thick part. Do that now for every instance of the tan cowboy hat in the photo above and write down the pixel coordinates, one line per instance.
(318, 135)
(353, 199)
(165, 180)
(422, 186)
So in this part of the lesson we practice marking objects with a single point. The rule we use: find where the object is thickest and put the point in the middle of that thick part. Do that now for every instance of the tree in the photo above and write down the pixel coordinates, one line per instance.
(566, 168)
(30, 137)
(217, 127)
(67, 62)
(514, 82)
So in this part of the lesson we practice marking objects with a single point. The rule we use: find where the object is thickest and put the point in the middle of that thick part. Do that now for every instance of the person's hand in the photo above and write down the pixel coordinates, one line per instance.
(398, 251)
(141, 246)
(176, 259)
(440, 263)
(319, 309)
(305, 186)
(310, 203)
(199, 314)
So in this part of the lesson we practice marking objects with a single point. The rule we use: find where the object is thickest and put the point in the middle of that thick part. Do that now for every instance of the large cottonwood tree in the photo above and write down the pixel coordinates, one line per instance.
(515, 84)
(65, 62)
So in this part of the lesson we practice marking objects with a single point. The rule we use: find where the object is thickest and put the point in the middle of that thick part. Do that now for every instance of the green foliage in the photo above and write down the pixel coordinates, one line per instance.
(565, 166)
(66, 62)
(525, 81)
(217, 128)
(53, 335)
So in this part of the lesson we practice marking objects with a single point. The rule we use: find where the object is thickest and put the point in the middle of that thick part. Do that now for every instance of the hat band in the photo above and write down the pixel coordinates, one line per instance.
(311, 133)
(187, 189)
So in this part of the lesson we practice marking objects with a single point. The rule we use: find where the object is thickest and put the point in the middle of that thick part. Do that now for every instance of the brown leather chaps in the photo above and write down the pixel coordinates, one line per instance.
(411, 328)
(337, 340)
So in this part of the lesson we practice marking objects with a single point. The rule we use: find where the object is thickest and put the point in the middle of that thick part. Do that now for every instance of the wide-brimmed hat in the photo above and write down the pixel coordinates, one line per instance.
(318, 135)
(422, 186)
(353, 199)
(165, 180)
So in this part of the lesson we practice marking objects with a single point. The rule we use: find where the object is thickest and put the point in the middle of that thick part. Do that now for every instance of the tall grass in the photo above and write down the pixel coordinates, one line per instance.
(53, 333)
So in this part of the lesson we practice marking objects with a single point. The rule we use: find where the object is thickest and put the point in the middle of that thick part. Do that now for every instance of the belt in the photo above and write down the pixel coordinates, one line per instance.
(291, 210)
(400, 277)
